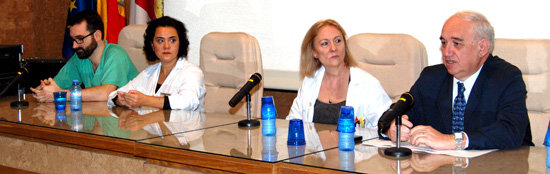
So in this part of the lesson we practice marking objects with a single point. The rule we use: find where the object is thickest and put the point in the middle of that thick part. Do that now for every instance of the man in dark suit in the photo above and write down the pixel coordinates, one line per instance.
(474, 100)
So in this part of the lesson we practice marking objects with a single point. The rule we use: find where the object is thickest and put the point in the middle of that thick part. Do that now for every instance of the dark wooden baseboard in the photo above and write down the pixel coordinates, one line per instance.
(283, 100)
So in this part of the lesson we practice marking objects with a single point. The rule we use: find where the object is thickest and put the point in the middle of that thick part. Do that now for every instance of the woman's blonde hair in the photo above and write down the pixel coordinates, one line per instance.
(309, 64)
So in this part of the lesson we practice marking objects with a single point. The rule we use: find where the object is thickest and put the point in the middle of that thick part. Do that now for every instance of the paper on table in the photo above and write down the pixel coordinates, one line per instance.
(458, 153)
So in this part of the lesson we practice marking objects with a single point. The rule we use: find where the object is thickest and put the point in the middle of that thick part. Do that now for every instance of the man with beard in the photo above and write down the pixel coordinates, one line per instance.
(100, 66)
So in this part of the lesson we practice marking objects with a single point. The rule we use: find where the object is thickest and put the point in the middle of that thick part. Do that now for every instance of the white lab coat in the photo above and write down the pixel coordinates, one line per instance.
(365, 94)
(184, 85)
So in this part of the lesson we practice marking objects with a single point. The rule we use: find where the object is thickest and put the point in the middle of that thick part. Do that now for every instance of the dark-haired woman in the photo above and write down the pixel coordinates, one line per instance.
(174, 83)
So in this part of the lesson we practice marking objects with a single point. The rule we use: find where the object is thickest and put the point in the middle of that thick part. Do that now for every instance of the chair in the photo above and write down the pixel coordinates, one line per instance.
(227, 61)
(131, 39)
(532, 57)
(396, 60)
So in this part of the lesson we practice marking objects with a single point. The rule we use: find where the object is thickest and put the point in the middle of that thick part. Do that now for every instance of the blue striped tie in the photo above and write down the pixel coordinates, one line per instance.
(458, 109)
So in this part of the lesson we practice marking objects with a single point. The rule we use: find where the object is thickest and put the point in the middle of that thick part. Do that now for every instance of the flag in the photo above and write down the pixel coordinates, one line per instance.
(75, 6)
(113, 14)
(143, 11)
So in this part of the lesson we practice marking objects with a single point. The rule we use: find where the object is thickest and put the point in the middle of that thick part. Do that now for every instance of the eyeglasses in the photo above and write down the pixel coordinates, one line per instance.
(81, 40)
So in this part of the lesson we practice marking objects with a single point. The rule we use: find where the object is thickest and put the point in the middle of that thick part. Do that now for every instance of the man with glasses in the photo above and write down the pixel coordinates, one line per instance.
(100, 66)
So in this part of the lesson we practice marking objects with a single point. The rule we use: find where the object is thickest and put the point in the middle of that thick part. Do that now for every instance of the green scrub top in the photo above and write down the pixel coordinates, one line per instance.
(115, 68)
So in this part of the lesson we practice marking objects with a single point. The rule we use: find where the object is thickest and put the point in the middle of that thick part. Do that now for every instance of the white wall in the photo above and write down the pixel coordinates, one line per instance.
(280, 25)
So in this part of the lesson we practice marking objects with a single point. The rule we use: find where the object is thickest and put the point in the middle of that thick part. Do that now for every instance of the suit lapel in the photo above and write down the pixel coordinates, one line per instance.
(444, 103)
(475, 95)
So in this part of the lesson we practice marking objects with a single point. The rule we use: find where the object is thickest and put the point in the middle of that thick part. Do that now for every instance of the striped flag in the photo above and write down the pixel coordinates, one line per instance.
(113, 14)
(143, 11)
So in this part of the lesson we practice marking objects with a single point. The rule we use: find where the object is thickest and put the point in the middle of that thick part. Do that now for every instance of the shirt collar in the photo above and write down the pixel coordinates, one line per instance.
(468, 84)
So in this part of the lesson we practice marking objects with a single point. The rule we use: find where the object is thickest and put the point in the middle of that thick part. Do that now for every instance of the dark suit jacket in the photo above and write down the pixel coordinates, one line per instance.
(496, 115)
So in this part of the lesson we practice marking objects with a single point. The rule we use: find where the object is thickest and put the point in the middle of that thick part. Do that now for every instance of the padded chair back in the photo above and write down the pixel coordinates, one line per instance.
(532, 57)
(227, 61)
(396, 60)
(131, 39)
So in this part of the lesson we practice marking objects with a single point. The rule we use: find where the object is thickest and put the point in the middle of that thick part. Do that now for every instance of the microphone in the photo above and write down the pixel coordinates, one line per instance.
(253, 81)
(397, 109)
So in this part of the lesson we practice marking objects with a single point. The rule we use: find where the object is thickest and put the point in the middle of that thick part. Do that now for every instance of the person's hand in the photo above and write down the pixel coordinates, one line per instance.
(45, 113)
(50, 86)
(44, 92)
(38, 93)
(128, 119)
(429, 162)
(121, 99)
(134, 98)
(405, 166)
(405, 129)
(428, 136)
(131, 120)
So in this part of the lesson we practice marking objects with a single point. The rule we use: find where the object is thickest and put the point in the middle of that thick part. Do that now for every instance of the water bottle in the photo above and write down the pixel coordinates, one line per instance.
(547, 144)
(269, 148)
(76, 121)
(76, 96)
(346, 129)
(269, 115)
(346, 160)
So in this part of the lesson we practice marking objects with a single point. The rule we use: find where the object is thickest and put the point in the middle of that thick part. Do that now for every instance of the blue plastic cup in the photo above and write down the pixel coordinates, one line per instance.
(60, 118)
(346, 121)
(547, 137)
(296, 154)
(296, 133)
(60, 99)
(268, 108)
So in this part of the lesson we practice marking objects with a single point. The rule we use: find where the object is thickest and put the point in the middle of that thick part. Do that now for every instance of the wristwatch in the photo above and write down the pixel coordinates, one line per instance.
(458, 140)
(461, 162)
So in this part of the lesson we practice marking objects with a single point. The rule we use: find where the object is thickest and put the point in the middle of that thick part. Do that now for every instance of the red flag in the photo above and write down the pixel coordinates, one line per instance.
(142, 11)
(114, 17)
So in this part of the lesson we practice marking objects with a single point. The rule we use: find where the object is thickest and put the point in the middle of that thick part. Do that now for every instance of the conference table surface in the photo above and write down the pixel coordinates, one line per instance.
(214, 141)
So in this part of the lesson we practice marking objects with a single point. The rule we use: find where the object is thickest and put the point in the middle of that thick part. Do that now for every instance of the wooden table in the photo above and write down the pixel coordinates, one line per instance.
(212, 143)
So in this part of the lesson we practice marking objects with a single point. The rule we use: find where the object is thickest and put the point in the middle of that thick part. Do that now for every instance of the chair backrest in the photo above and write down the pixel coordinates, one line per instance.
(532, 57)
(396, 60)
(131, 39)
(227, 61)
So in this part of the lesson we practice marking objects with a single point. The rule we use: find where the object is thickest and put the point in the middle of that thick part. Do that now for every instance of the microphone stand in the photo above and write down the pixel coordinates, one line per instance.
(398, 151)
(248, 122)
(20, 91)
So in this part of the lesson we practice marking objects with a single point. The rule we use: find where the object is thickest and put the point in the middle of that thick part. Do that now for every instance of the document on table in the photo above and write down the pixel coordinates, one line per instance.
(458, 153)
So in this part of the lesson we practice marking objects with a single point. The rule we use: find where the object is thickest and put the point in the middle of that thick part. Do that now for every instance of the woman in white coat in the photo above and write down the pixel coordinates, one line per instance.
(174, 83)
(331, 80)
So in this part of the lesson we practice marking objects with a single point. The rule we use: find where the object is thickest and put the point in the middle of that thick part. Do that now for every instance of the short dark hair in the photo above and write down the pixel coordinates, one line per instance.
(92, 19)
(164, 21)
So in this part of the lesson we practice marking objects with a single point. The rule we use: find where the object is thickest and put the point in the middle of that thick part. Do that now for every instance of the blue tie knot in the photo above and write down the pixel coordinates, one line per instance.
(461, 88)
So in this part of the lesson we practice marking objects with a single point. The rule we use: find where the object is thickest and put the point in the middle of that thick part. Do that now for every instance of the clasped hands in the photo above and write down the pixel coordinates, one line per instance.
(131, 98)
(421, 135)
(44, 91)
